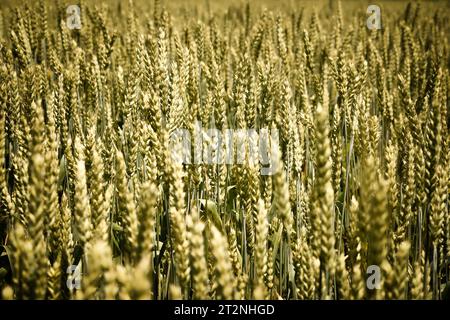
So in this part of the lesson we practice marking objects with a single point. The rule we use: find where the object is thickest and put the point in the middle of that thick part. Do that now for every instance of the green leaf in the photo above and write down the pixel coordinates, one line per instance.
(212, 213)
(276, 241)
(62, 170)
(116, 227)
(3, 273)
(9, 254)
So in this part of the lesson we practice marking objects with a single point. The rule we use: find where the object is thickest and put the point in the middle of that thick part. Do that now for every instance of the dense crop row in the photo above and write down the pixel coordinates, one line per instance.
(358, 207)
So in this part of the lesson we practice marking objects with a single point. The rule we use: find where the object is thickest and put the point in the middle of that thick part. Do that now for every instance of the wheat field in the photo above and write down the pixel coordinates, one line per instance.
(93, 205)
